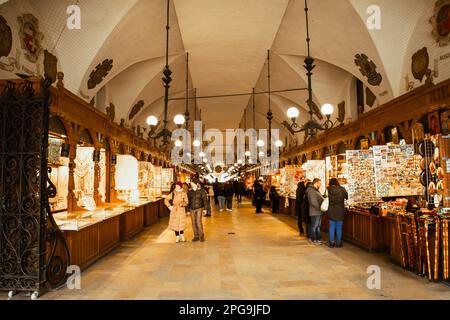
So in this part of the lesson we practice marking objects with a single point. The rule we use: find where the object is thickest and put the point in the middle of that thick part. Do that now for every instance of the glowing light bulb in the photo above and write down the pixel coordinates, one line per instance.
(293, 112)
(152, 121)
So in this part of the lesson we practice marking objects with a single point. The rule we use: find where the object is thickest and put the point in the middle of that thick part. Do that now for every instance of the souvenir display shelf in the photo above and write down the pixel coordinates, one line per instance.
(338, 169)
(290, 176)
(316, 169)
(361, 183)
(397, 171)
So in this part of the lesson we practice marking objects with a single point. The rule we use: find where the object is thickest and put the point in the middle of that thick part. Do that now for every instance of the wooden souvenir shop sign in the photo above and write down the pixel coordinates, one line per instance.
(384, 171)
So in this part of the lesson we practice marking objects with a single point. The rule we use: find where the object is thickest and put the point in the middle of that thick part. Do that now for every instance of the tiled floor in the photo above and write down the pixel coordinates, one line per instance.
(264, 258)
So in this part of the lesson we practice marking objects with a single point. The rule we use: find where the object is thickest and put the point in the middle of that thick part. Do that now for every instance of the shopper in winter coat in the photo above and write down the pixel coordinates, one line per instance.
(275, 198)
(306, 218)
(177, 201)
(299, 197)
(221, 196)
(198, 202)
(260, 195)
(229, 192)
(315, 200)
(336, 211)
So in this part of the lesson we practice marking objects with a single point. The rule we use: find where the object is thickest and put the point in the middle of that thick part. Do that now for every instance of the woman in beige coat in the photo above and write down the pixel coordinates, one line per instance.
(177, 202)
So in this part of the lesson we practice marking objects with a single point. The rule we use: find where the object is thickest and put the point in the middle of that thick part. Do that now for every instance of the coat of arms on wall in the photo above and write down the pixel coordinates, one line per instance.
(50, 66)
(5, 38)
(99, 73)
(111, 111)
(136, 108)
(441, 22)
(420, 64)
(30, 37)
(368, 69)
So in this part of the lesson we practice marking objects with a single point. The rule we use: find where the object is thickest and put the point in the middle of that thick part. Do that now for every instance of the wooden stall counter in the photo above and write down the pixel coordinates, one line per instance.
(91, 235)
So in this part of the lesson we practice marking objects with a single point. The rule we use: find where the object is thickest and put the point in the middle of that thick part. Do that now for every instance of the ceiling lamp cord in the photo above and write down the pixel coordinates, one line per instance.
(166, 80)
(186, 114)
(269, 113)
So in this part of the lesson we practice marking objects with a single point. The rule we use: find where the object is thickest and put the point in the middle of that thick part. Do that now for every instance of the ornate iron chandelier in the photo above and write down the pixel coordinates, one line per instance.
(312, 126)
(179, 119)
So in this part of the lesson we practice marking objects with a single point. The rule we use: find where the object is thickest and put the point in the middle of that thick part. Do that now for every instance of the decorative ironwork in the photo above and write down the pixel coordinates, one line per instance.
(58, 256)
(99, 73)
(23, 159)
(24, 205)
(136, 108)
(368, 69)
(111, 111)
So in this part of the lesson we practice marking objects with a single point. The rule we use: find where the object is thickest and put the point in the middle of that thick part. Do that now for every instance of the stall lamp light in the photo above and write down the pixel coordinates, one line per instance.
(178, 143)
(196, 143)
(201, 154)
(260, 143)
(248, 153)
(261, 154)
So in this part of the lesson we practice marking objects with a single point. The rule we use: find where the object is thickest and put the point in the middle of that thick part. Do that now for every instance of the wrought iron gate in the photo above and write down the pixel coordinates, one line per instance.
(24, 227)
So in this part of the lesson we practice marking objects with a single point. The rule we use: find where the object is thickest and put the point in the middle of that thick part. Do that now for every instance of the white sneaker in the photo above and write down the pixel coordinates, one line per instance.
(178, 239)
(182, 238)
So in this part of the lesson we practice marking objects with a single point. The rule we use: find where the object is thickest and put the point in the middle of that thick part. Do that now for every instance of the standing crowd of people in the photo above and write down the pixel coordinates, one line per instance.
(310, 209)
(195, 199)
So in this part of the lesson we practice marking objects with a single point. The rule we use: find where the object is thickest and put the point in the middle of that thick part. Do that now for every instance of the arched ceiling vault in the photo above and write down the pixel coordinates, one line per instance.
(228, 43)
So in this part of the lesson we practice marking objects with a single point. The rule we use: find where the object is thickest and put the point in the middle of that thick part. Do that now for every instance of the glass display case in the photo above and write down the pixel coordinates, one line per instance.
(76, 221)
(59, 175)
(156, 189)
(84, 174)
(167, 179)
(145, 181)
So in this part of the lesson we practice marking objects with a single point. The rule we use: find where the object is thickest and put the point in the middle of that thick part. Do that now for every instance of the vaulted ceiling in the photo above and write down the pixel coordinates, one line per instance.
(227, 43)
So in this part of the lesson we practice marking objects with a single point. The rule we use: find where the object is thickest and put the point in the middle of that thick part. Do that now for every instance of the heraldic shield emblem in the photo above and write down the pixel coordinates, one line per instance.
(30, 37)
(5, 38)
(441, 22)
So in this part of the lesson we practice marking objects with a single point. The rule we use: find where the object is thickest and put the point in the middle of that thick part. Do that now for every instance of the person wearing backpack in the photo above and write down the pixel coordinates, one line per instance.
(315, 200)
(336, 212)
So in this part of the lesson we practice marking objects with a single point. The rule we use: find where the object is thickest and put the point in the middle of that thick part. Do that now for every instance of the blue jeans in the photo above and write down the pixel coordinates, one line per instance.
(336, 226)
(315, 228)
(221, 202)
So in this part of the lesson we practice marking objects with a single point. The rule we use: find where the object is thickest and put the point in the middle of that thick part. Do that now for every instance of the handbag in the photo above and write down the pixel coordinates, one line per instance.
(325, 204)
(171, 200)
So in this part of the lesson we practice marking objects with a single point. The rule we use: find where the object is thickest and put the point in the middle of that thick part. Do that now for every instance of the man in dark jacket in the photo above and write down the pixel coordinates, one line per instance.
(315, 200)
(299, 198)
(198, 202)
(336, 211)
(229, 192)
(216, 191)
(260, 195)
